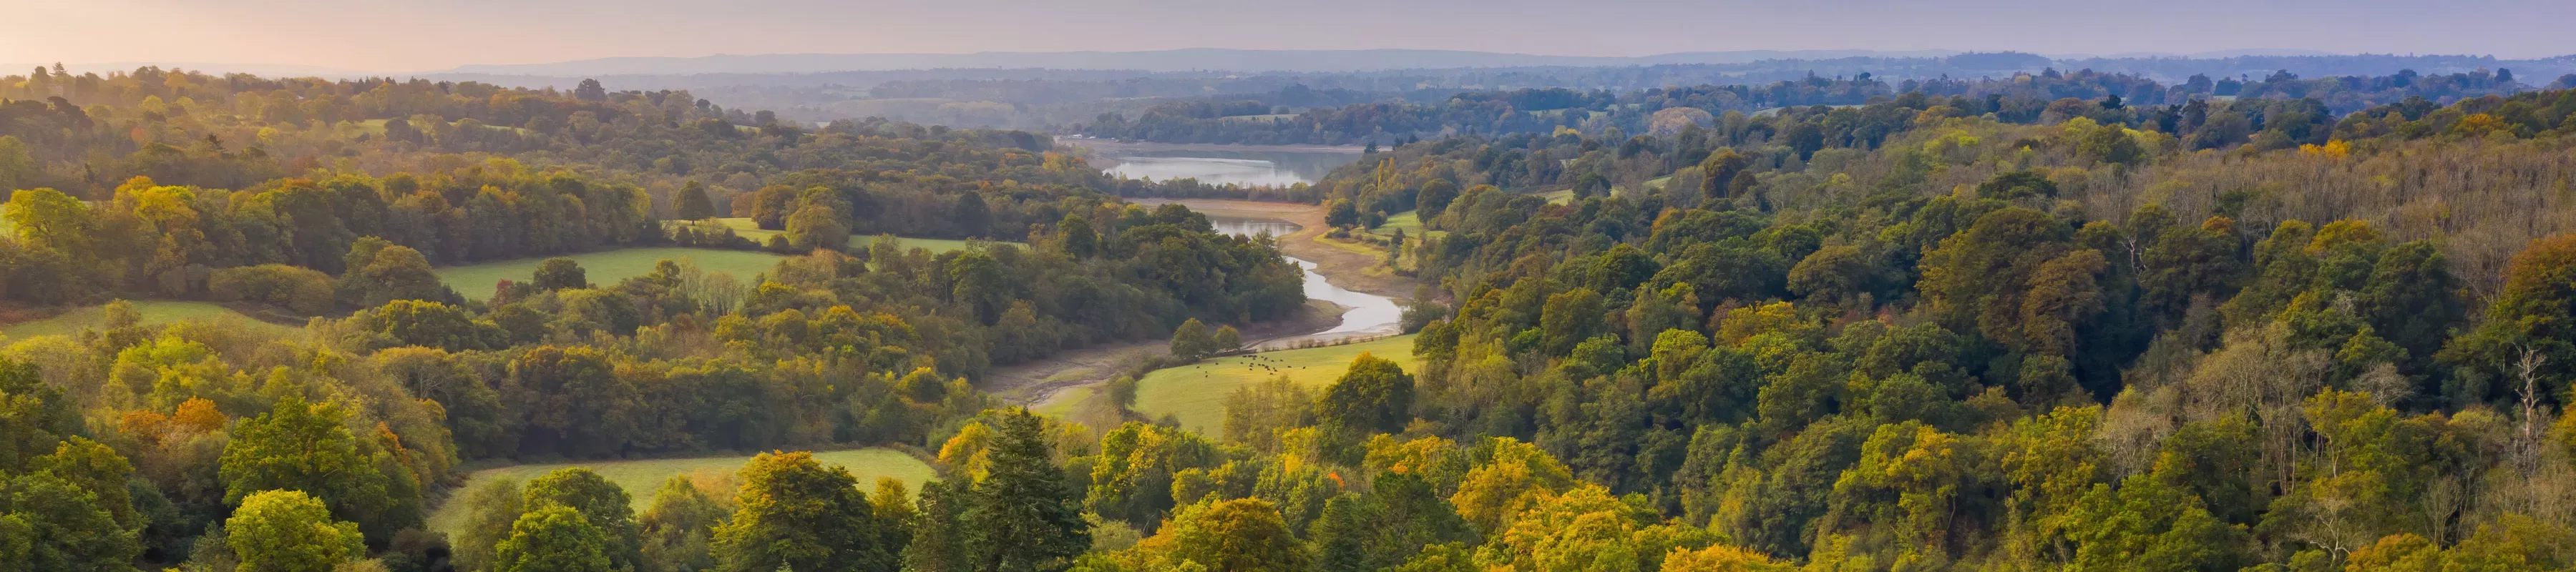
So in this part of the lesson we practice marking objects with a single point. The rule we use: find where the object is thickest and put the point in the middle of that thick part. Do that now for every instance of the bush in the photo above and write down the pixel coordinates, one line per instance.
(304, 290)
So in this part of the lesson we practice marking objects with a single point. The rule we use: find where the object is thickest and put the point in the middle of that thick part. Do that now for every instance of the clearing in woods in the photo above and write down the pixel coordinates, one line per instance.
(153, 312)
(642, 478)
(1196, 393)
(606, 267)
(747, 229)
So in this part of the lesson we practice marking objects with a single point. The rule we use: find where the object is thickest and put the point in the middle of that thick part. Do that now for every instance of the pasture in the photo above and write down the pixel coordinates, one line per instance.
(476, 281)
(153, 312)
(641, 478)
(748, 229)
(1196, 393)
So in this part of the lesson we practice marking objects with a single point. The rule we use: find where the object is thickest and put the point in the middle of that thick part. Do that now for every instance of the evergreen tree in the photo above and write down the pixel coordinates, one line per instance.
(938, 537)
(1024, 517)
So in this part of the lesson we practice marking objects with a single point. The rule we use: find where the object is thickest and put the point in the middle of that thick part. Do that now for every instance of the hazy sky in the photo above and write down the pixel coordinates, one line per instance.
(424, 35)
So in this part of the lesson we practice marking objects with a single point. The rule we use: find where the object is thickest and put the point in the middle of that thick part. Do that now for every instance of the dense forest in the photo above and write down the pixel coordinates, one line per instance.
(208, 446)
(2089, 341)
(1928, 329)
(1263, 118)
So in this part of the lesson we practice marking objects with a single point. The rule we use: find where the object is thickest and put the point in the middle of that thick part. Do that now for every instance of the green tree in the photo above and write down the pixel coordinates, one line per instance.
(491, 508)
(590, 90)
(938, 535)
(1226, 339)
(289, 531)
(1570, 317)
(1833, 275)
(2535, 315)
(1024, 515)
(49, 219)
(1341, 213)
(1240, 535)
(1435, 197)
(1191, 341)
(798, 514)
(971, 215)
(17, 168)
(601, 503)
(1719, 170)
(679, 528)
(100, 470)
(1399, 516)
(2022, 184)
(1080, 240)
(1374, 395)
(579, 406)
(693, 203)
(307, 447)
(560, 274)
(817, 227)
(554, 538)
(426, 324)
(34, 416)
(401, 273)
(48, 524)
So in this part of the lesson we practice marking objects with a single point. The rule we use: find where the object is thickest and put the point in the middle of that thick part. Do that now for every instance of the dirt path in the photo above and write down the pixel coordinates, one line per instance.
(1348, 265)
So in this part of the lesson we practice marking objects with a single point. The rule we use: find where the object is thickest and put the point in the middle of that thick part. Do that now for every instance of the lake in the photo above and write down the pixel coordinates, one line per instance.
(1247, 165)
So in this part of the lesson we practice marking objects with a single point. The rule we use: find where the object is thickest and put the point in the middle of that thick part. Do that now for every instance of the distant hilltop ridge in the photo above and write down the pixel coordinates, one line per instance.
(1193, 59)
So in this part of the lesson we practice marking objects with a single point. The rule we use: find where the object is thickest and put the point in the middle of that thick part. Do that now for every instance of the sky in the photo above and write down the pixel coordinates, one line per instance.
(423, 35)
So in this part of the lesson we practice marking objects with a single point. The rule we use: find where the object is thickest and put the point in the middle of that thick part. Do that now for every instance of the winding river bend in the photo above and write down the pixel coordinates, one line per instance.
(1368, 315)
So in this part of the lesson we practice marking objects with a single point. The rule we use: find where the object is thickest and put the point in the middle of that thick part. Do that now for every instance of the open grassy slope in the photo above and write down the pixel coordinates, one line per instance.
(475, 281)
(641, 478)
(153, 311)
(1196, 393)
(751, 230)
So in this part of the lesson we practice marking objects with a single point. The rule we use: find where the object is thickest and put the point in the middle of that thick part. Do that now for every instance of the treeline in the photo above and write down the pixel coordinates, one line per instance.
(1545, 110)
(89, 134)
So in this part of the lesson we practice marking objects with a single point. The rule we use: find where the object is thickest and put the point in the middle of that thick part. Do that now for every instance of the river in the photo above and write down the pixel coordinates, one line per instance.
(1368, 316)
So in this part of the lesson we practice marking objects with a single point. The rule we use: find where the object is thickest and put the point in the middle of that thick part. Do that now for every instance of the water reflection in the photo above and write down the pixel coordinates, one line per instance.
(1252, 226)
(1218, 164)
(1369, 316)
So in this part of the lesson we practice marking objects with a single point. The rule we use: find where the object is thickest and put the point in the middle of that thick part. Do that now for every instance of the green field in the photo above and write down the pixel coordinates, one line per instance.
(153, 311)
(1196, 393)
(1408, 221)
(751, 230)
(641, 478)
(475, 281)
